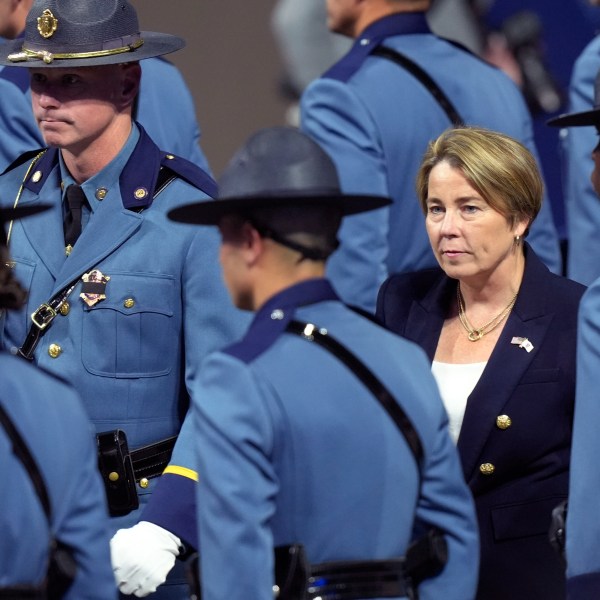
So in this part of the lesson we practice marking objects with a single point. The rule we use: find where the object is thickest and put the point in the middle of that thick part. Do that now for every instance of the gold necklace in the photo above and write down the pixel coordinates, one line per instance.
(476, 334)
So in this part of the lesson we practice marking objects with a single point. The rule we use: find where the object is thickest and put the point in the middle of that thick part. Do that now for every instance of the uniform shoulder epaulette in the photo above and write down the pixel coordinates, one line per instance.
(190, 172)
(29, 155)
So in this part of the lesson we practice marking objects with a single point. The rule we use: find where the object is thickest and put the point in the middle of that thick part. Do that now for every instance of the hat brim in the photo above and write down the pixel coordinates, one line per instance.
(20, 212)
(155, 44)
(579, 119)
(210, 212)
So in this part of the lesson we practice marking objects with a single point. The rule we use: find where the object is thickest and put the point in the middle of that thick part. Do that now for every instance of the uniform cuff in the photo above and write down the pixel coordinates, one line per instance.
(173, 507)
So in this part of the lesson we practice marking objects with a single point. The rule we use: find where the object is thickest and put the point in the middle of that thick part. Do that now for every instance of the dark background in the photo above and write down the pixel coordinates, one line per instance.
(230, 64)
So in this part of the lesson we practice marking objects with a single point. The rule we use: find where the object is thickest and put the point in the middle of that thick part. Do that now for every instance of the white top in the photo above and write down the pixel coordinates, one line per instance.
(456, 382)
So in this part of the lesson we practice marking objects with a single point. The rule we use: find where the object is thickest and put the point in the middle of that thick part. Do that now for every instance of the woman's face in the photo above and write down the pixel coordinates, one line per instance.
(469, 238)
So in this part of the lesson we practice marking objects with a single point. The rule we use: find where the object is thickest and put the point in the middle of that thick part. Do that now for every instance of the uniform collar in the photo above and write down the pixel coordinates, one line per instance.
(273, 317)
(104, 183)
(396, 24)
(373, 36)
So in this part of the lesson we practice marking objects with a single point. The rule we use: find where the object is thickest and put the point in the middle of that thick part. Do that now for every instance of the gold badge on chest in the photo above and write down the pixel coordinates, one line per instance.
(93, 288)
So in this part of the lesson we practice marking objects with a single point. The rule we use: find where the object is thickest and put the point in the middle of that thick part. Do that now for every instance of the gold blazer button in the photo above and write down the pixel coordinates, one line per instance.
(503, 422)
(54, 350)
(487, 468)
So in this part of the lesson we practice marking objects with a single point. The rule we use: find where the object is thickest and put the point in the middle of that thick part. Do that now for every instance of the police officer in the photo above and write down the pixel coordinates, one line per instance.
(125, 303)
(292, 446)
(47, 418)
(583, 516)
(375, 117)
(164, 106)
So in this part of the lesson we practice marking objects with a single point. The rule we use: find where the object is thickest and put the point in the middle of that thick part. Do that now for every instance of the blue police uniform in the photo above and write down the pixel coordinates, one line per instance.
(293, 448)
(375, 120)
(165, 108)
(131, 354)
(583, 214)
(583, 524)
(50, 417)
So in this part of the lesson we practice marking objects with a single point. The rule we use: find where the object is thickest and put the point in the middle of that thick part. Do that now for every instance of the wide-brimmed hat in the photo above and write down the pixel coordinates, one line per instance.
(19, 212)
(579, 119)
(83, 33)
(277, 167)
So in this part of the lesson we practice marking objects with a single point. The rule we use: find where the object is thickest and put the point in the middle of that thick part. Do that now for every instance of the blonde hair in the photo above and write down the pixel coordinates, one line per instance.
(500, 168)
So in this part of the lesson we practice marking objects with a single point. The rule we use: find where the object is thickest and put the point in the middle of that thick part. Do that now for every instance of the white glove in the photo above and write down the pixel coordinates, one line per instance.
(142, 557)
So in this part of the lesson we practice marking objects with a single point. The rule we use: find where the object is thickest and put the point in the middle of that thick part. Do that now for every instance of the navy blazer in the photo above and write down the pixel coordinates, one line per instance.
(536, 390)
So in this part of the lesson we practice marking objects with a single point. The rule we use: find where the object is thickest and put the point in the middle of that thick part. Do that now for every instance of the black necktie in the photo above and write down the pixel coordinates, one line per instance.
(72, 221)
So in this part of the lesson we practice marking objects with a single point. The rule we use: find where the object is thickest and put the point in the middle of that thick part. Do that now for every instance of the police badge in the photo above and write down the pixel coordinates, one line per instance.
(94, 287)
(47, 24)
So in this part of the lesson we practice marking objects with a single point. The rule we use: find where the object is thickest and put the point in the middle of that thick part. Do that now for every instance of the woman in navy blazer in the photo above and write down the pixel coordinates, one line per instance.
(500, 330)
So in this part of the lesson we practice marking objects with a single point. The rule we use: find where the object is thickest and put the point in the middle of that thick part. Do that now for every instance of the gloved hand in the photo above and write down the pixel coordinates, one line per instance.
(142, 557)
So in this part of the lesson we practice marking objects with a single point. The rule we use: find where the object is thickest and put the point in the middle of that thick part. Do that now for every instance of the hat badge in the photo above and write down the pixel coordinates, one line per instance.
(47, 24)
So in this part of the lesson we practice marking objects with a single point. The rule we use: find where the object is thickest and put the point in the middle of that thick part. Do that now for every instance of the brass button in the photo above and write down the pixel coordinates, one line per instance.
(129, 303)
(140, 193)
(144, 483)
(487, 468)
(503, 422)
(36, 176)
(113, 476)
(65, 307)
(54, 350)
(101, 193)
(169, 157)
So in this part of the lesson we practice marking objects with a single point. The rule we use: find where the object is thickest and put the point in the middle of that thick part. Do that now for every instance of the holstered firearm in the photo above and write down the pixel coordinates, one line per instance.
(296, 579)
(116, 468)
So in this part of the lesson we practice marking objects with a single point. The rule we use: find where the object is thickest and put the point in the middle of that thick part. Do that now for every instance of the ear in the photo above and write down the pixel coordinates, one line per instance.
(252, 244)
(130, 82)
(521, 227)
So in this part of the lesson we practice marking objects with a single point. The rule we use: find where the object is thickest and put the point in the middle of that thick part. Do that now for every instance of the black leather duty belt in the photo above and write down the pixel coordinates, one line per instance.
(351, 580)
(150, 461)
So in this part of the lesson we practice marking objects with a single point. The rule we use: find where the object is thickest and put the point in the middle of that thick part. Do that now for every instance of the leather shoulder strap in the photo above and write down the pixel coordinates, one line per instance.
(22, 452)
(312, 333)
(432, 87)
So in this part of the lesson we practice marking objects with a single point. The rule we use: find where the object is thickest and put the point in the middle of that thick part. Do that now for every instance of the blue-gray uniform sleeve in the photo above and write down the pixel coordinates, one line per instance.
(340, 122)
(19, 130)
(583, 517)
(210, 323)
(581, 201)
(80, 514)
(237, 482)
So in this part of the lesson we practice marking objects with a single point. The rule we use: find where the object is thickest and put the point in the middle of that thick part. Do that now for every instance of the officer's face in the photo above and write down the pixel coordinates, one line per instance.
(469, 238)
(75, 106)
(234, 262)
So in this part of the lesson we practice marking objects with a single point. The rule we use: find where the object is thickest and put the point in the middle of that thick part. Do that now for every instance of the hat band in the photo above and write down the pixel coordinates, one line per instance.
(48, 57)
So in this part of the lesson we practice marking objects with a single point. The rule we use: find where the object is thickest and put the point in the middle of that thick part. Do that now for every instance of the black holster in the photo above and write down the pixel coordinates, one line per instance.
(116, 468)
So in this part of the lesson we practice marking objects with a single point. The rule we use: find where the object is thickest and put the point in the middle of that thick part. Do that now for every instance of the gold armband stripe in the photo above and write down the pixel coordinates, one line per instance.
(175, 470)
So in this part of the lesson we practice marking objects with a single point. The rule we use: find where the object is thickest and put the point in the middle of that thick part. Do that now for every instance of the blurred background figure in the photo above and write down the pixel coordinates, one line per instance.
(376, 110)
(52, 492)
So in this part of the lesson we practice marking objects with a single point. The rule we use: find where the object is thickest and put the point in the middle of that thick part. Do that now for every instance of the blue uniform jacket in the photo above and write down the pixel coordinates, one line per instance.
(375, 120)
(165, 108)
(581, 201)
(583, 524)
(536, 390)
(49, 416)
(293, 448)
(130, 355)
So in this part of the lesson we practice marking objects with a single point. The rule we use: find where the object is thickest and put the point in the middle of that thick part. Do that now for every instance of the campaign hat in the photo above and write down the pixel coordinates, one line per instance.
(277, 167)
(84, 33)
(579, 119)
(18, 212)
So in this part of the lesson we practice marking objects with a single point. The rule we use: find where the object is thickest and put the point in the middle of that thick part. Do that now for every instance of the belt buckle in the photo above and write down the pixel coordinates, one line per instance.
(43, 316)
